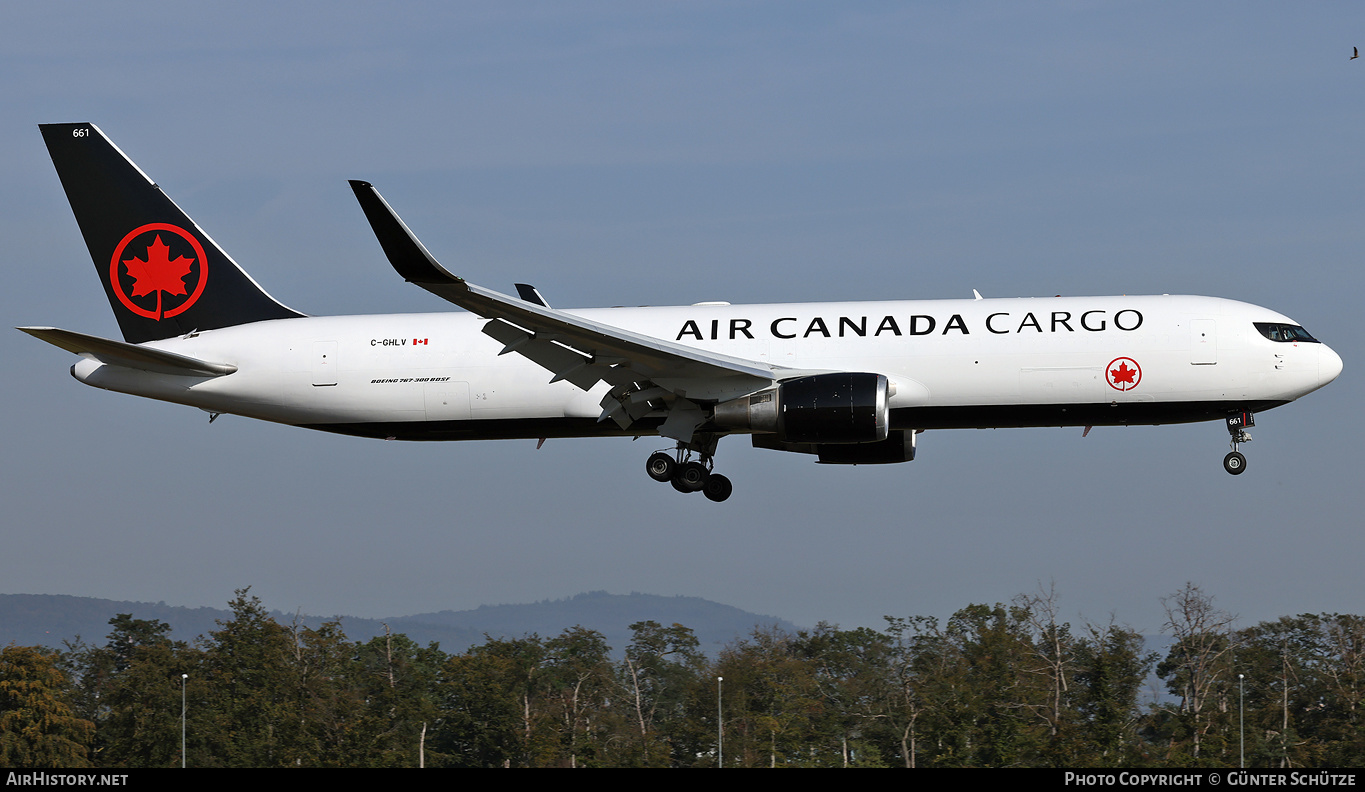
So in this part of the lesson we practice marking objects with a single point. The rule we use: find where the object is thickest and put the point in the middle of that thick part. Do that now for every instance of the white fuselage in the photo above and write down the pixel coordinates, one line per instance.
(996, 362)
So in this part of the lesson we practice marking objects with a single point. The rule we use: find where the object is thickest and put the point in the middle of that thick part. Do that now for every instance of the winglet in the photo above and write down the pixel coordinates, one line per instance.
(530, 294)
(409, 257)
(573, 348)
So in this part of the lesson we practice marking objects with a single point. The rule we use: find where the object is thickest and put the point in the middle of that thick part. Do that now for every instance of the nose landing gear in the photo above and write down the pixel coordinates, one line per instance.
(687, 474)
(1235, 463)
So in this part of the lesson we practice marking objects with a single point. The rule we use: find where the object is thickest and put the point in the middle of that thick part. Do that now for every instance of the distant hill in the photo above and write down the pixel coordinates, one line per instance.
(610, 614)
(51, 619)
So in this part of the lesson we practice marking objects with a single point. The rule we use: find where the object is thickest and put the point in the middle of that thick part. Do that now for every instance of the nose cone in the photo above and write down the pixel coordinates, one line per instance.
(1329, 365)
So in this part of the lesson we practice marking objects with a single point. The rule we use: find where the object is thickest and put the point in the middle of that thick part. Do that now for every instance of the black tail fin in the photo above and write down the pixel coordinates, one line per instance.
(163, 275)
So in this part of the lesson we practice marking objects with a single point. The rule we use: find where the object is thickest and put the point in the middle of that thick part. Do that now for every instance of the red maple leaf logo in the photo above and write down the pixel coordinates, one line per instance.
(158, 272)
(1123, 373)
(1126, 376)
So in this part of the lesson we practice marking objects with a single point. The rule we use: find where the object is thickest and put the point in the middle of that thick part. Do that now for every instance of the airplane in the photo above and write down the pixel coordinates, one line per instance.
(846, 382)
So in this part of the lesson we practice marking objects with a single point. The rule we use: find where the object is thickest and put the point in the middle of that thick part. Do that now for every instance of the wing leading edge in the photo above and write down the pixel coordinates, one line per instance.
(646, 373)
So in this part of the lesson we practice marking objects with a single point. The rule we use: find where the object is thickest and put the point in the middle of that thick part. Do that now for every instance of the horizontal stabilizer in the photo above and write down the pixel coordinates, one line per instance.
(118, 353)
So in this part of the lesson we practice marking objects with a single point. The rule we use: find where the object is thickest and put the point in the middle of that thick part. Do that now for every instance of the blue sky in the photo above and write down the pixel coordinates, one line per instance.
(668, 153)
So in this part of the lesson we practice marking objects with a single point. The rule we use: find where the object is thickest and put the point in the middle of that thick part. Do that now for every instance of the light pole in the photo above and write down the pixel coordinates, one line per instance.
(1241, 724)
(720, 727)
(183, 678)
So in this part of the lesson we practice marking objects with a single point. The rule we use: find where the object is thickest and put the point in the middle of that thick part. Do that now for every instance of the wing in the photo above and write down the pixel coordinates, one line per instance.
(645, 373)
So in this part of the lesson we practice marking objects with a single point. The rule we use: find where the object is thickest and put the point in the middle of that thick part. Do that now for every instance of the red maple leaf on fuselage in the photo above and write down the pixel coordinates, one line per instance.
(1123, 374)
(159, 272)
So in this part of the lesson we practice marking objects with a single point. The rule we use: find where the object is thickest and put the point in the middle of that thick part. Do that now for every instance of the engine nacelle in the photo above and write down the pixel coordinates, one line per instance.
(899, 446)
(846, 407)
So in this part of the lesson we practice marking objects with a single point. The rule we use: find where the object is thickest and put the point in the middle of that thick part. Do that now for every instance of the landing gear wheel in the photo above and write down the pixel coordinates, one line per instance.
(717, 488)
(1238, 422)
(691, 477)
(660, 466)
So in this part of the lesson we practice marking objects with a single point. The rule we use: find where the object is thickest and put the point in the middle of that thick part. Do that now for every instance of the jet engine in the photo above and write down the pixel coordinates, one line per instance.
(899, 446)
(844, 407)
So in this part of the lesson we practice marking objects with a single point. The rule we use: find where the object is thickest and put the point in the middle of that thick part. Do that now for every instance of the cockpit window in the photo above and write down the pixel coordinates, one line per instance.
(1284, 332)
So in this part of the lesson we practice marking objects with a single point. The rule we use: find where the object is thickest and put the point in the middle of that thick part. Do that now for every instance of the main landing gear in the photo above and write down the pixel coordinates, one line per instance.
(1235, 462)
(687, 474)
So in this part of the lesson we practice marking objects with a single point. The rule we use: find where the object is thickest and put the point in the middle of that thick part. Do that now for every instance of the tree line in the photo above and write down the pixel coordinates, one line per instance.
(1005, 685)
